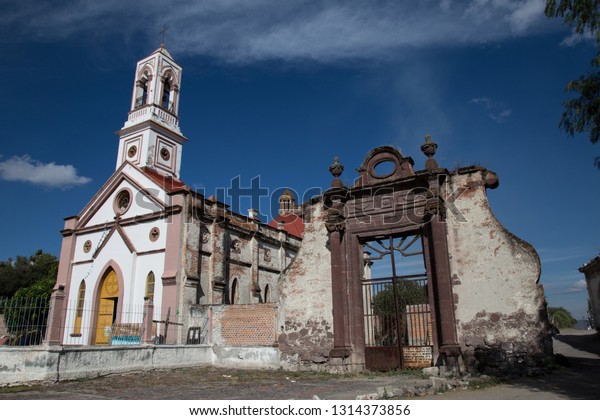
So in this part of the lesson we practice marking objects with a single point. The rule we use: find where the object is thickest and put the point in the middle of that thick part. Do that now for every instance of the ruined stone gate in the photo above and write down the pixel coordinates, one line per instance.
(421, 274)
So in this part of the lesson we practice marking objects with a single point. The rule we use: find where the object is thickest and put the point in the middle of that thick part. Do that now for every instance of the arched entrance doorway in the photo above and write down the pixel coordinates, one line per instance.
(107, 307)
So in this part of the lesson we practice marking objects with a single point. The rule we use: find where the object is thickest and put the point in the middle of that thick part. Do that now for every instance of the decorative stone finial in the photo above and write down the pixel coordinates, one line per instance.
(429, 148)
(336, 170)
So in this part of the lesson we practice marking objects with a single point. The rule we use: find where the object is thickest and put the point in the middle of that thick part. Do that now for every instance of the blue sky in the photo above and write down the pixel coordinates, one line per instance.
(277, 89)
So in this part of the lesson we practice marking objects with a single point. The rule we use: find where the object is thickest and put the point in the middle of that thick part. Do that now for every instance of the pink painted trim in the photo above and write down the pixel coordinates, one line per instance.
(174, 232)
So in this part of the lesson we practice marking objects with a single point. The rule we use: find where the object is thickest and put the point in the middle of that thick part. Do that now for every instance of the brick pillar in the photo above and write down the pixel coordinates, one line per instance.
(54, 329)
(148, 324)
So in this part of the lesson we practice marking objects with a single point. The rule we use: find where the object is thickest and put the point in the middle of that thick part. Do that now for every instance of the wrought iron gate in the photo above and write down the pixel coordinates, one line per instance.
(397, 318)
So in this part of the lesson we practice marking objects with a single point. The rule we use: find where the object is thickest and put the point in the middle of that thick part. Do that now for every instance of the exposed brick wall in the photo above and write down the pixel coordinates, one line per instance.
(249, 325)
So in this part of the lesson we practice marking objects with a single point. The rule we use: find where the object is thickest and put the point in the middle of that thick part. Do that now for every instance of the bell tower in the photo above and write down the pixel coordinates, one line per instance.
(151, 137)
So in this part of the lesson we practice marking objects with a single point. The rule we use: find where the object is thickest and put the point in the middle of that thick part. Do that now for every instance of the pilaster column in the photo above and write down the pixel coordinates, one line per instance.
(54, 329)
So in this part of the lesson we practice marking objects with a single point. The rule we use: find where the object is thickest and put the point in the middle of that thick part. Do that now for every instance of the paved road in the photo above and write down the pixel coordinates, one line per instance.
(578, 381)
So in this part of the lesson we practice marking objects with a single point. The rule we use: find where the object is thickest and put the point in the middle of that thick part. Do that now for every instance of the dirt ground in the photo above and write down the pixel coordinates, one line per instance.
(578, 380)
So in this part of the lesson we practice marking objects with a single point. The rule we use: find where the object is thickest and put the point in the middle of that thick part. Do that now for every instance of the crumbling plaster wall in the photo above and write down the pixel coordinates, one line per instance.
(499, 307)
(305, 316)
(592, 277)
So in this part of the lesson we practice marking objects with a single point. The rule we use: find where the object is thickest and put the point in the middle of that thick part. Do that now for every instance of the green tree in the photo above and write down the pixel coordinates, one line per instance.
(409, 293)
(582, 113)
(26, 271)
(27, 284)
(561, 317)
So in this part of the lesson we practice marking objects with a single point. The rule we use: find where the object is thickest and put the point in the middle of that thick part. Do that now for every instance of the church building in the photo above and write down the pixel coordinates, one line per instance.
(147, 236)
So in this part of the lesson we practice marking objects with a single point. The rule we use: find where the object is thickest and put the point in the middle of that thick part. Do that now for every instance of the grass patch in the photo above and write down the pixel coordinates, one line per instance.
(484, 383)
(410, 373)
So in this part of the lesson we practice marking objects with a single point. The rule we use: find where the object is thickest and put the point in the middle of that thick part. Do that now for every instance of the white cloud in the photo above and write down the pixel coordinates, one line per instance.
(257, 30)
(578, 286)
(576, 38)
(498, 111)
(25, 169)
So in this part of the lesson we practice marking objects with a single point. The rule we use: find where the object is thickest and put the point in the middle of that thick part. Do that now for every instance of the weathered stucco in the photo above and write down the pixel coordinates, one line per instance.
(499, 307)
(591, 270)
(305, 316)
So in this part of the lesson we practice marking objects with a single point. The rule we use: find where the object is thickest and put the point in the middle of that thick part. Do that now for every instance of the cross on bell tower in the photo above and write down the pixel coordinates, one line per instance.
(162, 33)
(151, 137)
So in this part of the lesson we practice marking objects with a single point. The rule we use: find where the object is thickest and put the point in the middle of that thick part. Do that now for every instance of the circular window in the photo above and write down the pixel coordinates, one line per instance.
(122, 202)
(164, 153)
(384, 169)
(132, 151)
(87, 246)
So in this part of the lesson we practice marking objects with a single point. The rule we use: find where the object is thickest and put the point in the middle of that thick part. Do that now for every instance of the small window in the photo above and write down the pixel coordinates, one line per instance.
(142, 91)
(166, 96)
(79, 309)
(150, 286)
(267, 295)
(234, 292)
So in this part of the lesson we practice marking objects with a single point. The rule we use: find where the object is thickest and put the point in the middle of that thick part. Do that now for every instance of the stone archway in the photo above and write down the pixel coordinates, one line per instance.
(389, 200)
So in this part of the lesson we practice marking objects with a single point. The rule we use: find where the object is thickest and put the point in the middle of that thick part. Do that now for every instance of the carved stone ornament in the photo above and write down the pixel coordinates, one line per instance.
(236, 246)
(335, 219)
(429, 148)
(154, 234)
(204, 235)
(267, 254)
(131, 152)
(336, 170)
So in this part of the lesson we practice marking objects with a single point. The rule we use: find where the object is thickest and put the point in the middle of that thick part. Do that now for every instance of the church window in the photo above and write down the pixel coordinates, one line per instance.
(234, 292)
(79, 309)
(150, 286)
(154, 234)
(142, 91)
(87, 246)
(267, 294)
(166, 102)
(165, 154)
(122, 202)
(132, 151)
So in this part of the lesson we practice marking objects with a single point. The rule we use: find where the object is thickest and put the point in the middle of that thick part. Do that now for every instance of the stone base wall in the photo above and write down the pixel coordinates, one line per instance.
(53, 364)
(487, 350)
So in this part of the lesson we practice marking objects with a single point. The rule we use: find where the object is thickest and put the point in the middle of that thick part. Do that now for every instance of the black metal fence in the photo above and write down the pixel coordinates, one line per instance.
(24, 321)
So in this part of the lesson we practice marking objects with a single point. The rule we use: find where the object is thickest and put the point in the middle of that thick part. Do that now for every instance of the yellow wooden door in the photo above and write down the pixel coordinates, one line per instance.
(107, 306)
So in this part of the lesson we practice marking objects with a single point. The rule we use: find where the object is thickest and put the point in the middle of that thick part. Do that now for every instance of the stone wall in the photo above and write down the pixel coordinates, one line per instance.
(305, 317)
(500, 309)
(51, 364)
